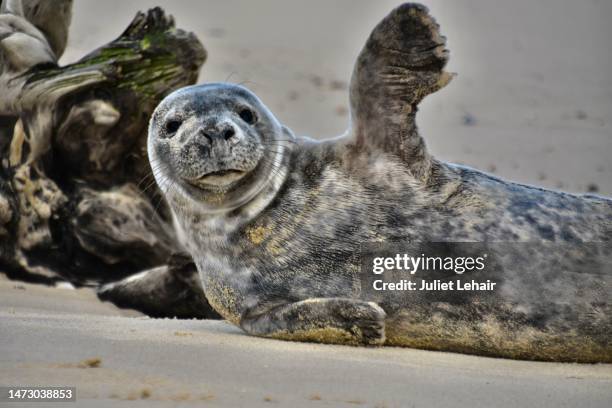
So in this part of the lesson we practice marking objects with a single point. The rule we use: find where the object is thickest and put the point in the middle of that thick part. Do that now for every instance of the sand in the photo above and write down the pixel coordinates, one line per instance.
(532, 102)
(51, 336)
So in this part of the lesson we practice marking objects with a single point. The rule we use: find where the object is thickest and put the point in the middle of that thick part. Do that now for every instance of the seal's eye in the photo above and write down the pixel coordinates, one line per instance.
(248, 116)
(172, 126)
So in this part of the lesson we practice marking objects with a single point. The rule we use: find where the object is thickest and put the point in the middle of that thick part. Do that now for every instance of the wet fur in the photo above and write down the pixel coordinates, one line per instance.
(285, 264)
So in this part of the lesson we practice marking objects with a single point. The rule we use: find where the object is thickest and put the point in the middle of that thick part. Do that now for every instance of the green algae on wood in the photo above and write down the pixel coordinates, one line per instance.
(79, 138)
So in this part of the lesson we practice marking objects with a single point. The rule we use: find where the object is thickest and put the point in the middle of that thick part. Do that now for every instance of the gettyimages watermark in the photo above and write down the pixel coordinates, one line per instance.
(473, 266)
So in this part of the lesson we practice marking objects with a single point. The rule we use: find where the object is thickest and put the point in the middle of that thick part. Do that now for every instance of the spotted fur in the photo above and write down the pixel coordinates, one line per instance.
(278, 250)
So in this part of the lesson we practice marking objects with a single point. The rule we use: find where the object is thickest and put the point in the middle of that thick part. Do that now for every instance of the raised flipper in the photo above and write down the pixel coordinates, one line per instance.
(401, 63)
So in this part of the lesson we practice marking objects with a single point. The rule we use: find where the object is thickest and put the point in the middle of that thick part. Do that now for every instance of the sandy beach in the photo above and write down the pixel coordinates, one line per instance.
(532, 102)
(65, 337)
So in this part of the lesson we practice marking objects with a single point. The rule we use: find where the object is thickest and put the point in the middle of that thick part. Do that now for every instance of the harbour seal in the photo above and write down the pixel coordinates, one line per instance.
(275, 222)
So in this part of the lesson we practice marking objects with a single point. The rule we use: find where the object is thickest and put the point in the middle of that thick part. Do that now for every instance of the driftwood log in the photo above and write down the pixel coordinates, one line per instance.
(77, 199)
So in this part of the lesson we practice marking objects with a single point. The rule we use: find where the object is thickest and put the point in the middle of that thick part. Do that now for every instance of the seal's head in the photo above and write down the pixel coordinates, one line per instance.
(214, 144)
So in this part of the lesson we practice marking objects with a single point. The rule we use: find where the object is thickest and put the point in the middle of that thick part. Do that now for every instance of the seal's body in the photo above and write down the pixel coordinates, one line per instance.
(275, 223)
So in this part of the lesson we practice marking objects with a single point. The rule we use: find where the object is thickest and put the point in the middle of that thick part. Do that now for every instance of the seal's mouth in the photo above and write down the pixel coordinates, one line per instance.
(217, 178)
(222, 173)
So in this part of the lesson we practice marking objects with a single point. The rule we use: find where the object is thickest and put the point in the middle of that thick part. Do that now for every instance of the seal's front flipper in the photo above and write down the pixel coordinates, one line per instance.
(401, 63)
(321, 320)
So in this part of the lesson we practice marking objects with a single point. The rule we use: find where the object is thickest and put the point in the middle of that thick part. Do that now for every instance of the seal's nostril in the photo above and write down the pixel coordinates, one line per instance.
(203, 150)
(207, 136)
(228, 133)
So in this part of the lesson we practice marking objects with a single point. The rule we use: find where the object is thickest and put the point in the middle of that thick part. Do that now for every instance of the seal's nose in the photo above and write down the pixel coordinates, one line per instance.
(223, 131)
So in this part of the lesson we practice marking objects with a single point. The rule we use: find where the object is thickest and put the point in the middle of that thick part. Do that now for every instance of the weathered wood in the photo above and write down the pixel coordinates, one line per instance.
(77, 201)
(171, 290)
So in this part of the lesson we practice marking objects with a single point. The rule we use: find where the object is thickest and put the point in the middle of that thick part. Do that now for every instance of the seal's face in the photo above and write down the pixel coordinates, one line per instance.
(213, 143)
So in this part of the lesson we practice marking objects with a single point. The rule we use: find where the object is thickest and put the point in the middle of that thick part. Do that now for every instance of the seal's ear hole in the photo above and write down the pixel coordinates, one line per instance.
(172, 126)
(248, 116)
